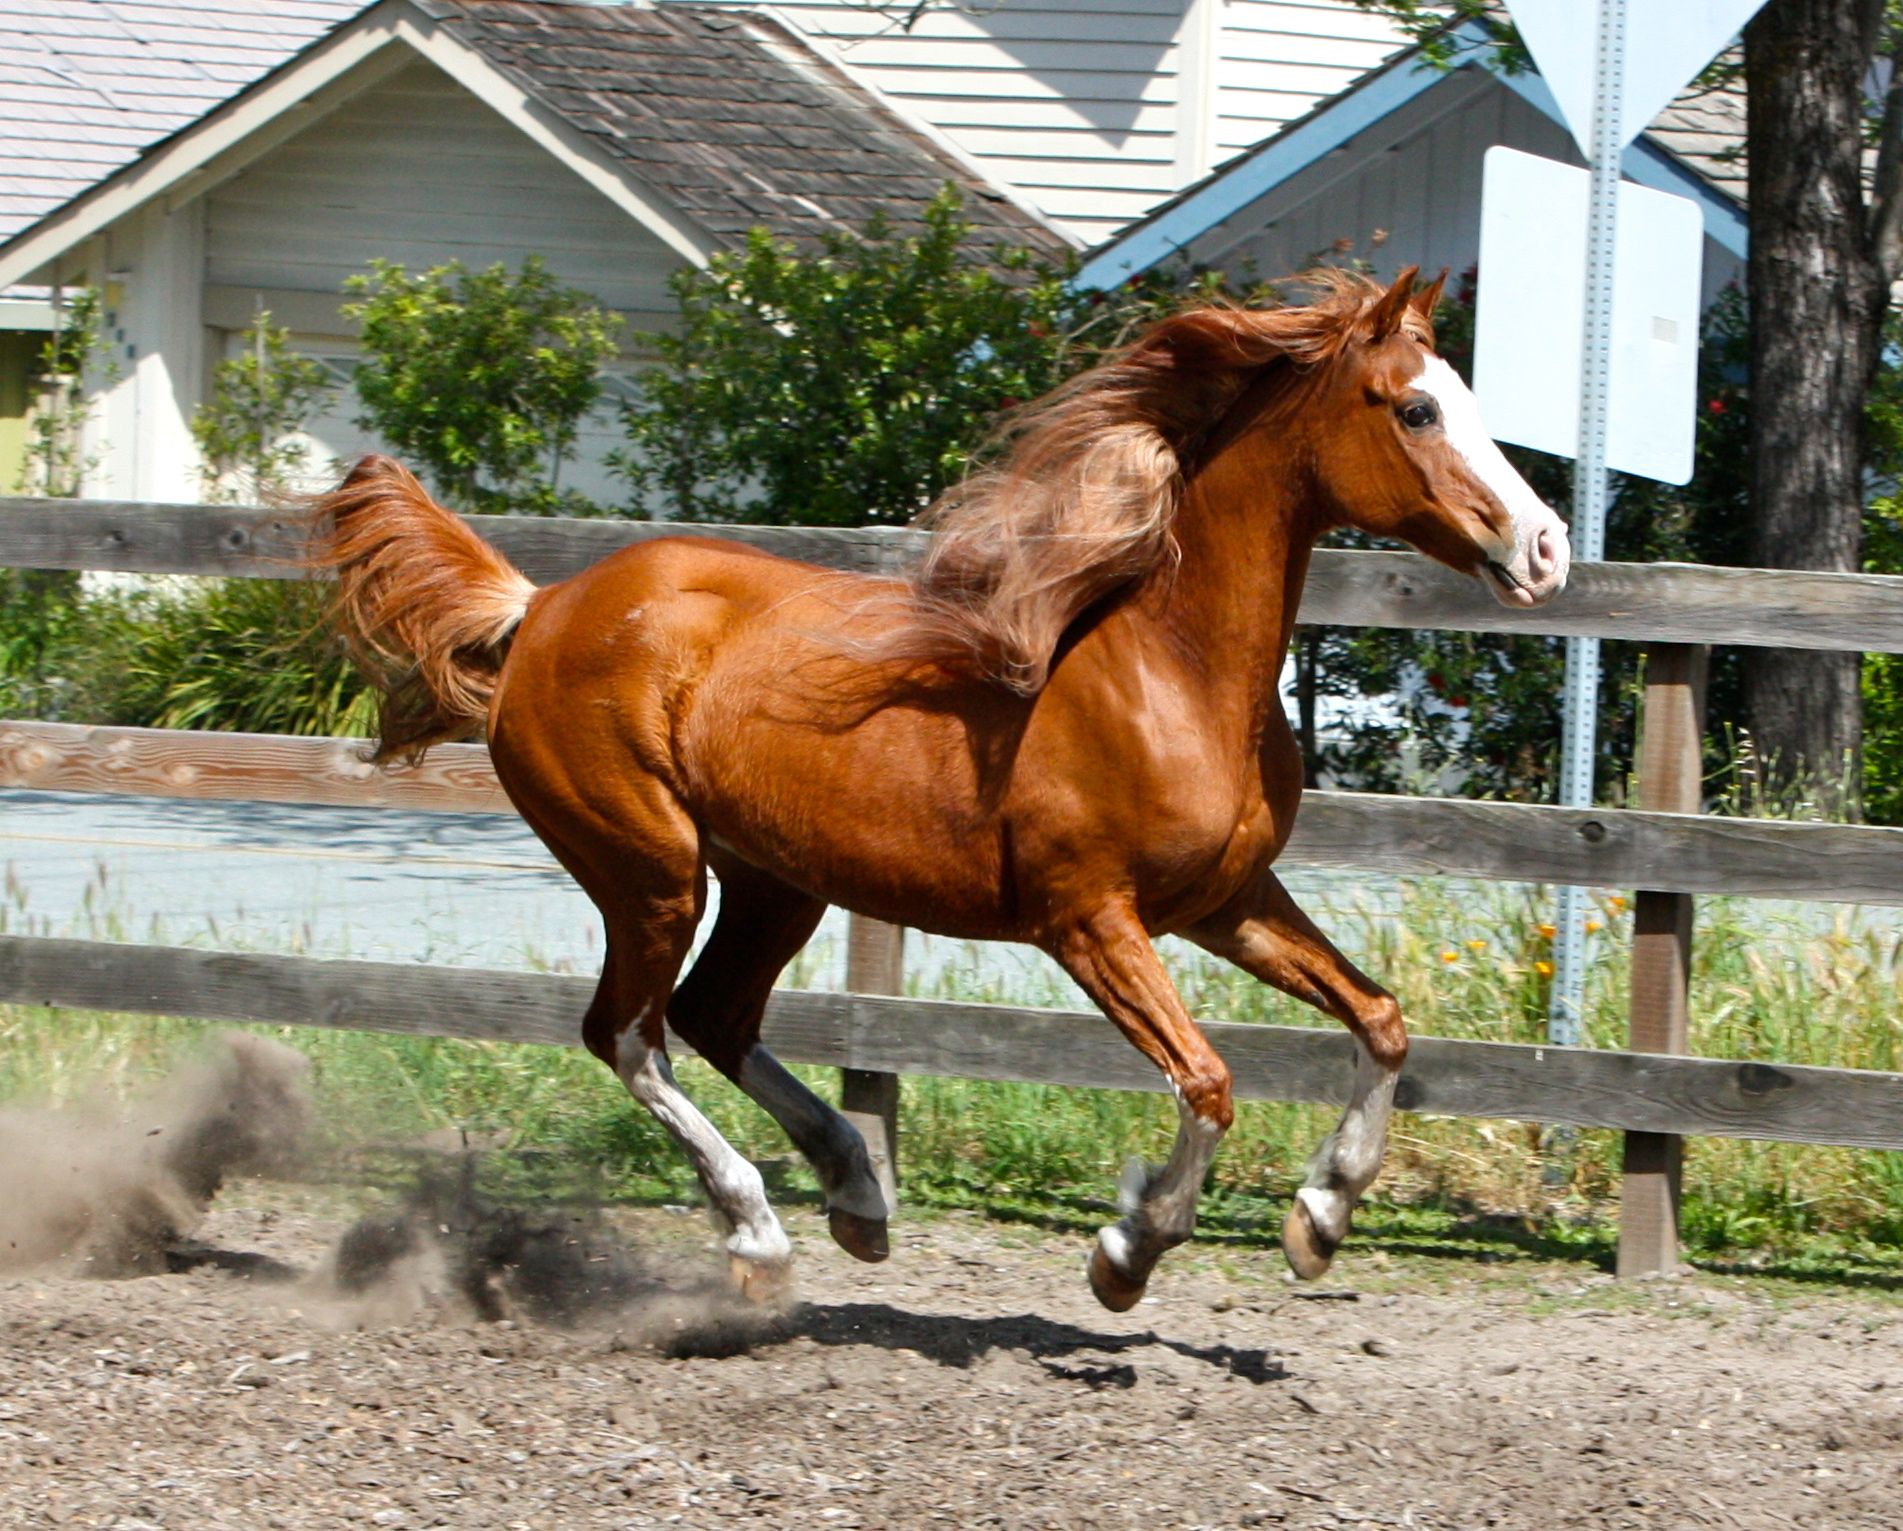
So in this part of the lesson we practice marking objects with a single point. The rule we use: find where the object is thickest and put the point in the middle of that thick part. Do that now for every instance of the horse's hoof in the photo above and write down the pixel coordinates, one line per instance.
(760, 1281)
(1310, 1252)
(863, 1238)
(1115, 1290)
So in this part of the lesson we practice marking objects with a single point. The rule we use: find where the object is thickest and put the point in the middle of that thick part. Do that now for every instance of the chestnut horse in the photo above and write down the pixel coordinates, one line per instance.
(1062, 729)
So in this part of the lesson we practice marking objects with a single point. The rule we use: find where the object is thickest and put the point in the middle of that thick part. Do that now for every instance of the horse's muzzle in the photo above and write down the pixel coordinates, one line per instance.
(1537, 571)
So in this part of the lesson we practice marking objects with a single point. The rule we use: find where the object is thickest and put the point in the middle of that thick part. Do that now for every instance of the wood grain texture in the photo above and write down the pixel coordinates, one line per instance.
(1598, 847)
(875, 964)
(1671, 769)
(1659, 602)
(1679, 603)
(1634, 1091)
(1407, 836)
(259, 768)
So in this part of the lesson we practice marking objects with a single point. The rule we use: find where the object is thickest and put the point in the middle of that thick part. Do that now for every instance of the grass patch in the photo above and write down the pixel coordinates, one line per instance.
(1453, 1188)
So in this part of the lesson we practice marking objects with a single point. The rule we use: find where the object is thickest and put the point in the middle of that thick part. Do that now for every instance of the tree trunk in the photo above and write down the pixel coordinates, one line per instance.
(1817, 304)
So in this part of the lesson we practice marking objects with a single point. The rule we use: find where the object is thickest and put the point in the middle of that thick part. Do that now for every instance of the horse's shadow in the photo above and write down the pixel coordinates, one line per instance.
(954, 1341)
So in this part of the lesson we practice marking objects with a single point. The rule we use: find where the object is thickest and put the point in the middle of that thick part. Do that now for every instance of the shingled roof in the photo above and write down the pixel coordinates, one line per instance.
(88, 84)
(725, 118)
(738, 120)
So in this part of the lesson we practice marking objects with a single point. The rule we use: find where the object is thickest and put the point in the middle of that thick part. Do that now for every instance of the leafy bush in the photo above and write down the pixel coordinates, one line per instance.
(247, 431)
(850, 385)
(481, 378)
(240, 654)
(253, 656)
(74, 367)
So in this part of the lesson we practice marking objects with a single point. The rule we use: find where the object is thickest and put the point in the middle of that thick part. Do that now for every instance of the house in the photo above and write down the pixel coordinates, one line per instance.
(88, 86)
(619, 142)
(622, 141)
(1097, 110)
(1390, 169)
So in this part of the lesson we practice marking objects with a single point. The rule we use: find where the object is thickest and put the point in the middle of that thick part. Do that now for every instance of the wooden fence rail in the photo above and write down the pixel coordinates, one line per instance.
(1407, 836)
(1669, 856)
(1633, 1092)
(1675, 603)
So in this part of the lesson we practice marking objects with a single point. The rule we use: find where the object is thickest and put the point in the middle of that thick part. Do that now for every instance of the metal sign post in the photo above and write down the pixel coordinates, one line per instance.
(1566, 1011)
(1620, 94)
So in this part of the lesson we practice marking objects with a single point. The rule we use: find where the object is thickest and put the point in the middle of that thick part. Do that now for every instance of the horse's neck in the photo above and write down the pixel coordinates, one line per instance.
(1246, 535)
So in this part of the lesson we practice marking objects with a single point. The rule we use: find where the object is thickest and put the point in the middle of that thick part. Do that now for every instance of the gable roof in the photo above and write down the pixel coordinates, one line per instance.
(734, 115)
(700, 122)
(1691, 149)
(88, 84)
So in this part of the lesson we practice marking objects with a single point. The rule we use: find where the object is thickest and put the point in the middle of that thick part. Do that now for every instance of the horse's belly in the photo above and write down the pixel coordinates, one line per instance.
(881, 818)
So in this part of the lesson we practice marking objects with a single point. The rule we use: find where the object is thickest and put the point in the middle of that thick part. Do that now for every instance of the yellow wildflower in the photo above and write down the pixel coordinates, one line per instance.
(1547, 931)
(1593, 927)
(1476, 946)
(1615, 903)
(1450, 956)
(1544, 969)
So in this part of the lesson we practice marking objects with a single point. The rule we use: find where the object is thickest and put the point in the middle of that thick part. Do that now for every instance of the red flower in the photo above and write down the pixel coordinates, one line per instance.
(1716, 406)
(1039, 330)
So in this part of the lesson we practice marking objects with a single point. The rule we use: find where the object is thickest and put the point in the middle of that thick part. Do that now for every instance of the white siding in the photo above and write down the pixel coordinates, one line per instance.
(418, 171)
(1072, 102)
(1413, 200)
(1278, 59)
(1097, 110)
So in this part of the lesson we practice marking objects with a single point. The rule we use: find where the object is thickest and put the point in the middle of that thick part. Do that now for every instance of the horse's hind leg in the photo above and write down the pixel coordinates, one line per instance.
(1269, 938)
(1111, 957)
(717, 1011)
(624, 1027)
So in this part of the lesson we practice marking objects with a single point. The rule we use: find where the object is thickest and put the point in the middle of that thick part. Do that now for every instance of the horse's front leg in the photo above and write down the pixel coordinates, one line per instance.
(1268, 937)
(1110, 956)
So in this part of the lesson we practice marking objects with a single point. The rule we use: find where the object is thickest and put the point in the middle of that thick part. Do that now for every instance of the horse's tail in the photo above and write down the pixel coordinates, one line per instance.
(426, 605)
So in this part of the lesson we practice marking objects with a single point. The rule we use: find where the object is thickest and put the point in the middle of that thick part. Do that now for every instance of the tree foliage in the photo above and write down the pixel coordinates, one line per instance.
(482, 378)
(247, 431)
(848, 385)
(1825, 170)
(39, 607)
(74, 367)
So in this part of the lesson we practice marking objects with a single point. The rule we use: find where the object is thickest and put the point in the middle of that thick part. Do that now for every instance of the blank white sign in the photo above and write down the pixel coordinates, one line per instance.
(1530, 329)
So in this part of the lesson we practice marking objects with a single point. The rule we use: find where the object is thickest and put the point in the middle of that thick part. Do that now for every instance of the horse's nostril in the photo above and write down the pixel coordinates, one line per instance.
(1543, 555)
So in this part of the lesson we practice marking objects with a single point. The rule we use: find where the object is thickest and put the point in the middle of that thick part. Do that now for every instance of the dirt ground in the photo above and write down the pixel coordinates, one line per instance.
(971, 1381)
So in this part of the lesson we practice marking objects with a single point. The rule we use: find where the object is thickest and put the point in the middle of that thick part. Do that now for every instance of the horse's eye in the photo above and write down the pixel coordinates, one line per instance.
(1419, 415)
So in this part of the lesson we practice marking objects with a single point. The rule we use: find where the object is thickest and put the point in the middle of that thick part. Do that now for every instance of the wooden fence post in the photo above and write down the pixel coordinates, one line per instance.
(875, 964)
(1671, 772)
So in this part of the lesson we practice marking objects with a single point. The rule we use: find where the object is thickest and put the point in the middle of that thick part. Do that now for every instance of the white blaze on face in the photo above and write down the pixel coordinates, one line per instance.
(1534, 566)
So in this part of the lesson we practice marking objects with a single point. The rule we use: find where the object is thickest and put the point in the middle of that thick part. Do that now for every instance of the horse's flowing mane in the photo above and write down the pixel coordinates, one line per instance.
(1083, 501)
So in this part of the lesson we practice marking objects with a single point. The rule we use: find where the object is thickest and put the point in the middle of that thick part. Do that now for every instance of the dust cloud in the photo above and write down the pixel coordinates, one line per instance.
(121, 1189)
(446, 1247)
(117, 1189)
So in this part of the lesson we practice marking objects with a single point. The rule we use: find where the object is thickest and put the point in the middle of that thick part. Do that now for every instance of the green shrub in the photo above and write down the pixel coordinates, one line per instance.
(247, 655)
(849, 385)
(481, 378)
(247, 431)
(74, 368)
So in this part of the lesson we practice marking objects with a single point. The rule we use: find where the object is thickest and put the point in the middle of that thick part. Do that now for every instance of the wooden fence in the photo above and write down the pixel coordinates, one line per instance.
(1665, 850)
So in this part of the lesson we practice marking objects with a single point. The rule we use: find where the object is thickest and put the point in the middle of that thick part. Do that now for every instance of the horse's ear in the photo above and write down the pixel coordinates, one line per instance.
(1391, 307)
(1427, 299)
